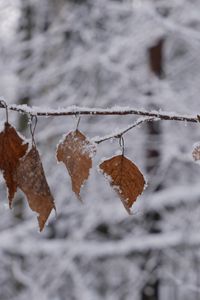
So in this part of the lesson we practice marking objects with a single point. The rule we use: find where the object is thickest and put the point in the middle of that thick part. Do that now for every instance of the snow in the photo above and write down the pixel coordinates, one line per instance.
(89, 149)
(115, 110)
(90, 59)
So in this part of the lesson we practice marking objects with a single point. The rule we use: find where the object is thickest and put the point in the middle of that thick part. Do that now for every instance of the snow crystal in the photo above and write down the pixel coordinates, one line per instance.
(89, 148)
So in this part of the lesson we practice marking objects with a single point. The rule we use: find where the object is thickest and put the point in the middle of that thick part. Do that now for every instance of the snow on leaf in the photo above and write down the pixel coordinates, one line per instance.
(12, 148)
(76, 152)
(30, 178)
(125, 178)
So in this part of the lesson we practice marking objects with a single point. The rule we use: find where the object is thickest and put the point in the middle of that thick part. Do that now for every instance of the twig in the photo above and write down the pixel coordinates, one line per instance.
(123, 131)
(76, 110)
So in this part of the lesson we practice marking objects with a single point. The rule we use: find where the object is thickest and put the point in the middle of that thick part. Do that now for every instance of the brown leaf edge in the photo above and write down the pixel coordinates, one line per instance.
(127, 196)
(72, 151)
(31, 180)
(12, 148)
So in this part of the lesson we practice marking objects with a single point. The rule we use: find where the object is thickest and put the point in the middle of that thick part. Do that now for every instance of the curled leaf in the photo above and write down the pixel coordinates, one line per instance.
(125, 178)
(30, 178)
(76, 152)
(12, 148)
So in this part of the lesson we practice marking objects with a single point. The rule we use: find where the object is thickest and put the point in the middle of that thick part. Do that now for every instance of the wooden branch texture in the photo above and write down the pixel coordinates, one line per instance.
(80, 111)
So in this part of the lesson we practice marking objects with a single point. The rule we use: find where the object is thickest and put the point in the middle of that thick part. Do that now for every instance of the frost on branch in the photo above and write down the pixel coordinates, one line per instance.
(12, 148)
(76, 152)
(125, 178)
(30, 178)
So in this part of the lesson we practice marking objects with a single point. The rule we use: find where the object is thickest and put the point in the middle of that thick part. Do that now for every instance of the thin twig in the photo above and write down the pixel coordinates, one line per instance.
(123, 131)
(76, 110)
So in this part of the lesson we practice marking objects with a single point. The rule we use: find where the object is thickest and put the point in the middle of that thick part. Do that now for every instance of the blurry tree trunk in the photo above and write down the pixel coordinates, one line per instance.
(26, 27)
(25, 31)
(156, 58)
(153, 156)
(152, 218)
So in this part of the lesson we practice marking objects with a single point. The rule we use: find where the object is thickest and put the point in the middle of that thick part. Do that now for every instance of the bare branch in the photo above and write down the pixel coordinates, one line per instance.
(119, 133)
(116, 110)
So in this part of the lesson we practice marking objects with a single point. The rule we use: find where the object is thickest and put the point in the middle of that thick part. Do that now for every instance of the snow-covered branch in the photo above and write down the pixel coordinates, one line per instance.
(96, 250)
(115, 110)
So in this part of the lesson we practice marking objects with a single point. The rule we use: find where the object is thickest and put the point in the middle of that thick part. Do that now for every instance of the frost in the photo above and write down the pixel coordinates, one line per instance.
(91, 57)
(89, 149)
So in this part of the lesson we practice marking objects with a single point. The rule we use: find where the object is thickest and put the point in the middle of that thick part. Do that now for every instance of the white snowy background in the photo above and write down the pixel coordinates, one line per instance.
(58, 53)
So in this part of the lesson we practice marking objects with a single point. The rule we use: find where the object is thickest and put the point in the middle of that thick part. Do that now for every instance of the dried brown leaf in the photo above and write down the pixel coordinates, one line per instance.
(76, 152)
(196, 152)
(30, 178)
(125, 178)
(12, 148)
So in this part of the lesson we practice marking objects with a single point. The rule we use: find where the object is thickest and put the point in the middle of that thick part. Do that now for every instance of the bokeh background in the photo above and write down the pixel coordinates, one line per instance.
(97, 53)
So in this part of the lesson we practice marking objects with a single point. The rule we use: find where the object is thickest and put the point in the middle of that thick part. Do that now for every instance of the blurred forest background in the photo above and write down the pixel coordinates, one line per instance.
(96, 53)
